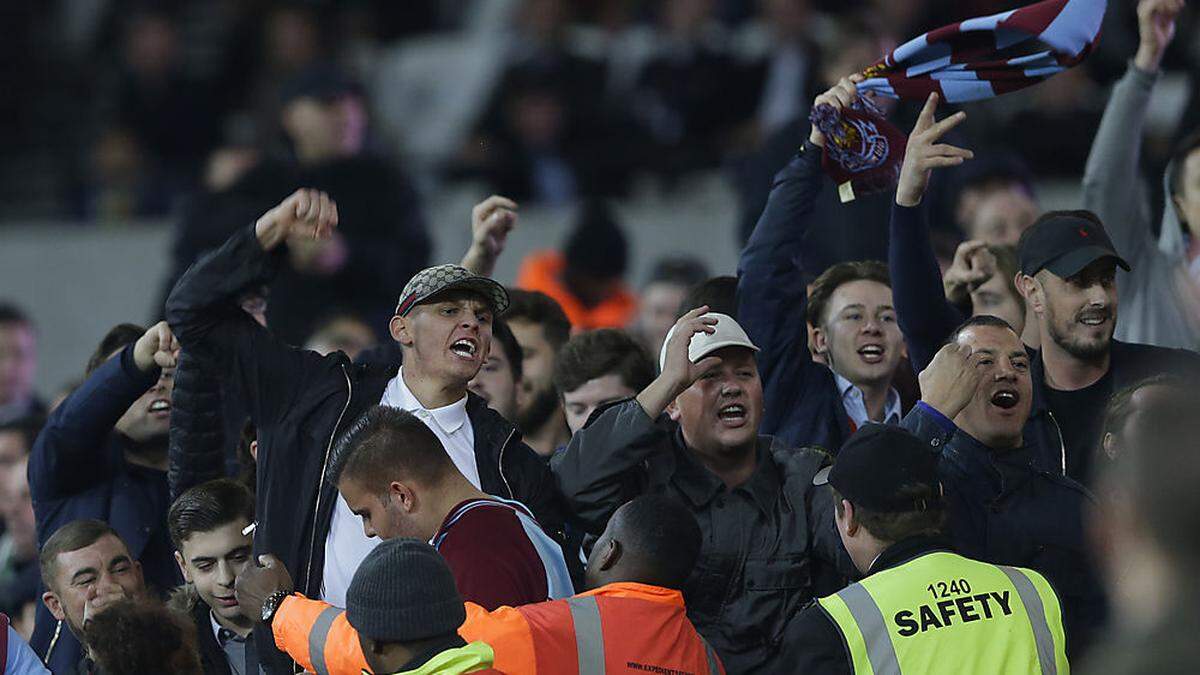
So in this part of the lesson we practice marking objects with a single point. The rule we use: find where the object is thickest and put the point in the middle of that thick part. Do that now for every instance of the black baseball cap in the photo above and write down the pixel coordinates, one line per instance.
(877, 461)
(322, 81)
(1065, 243)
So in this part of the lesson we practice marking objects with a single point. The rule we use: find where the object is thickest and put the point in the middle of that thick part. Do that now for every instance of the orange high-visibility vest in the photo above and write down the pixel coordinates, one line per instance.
(618, 628)
(542, 271)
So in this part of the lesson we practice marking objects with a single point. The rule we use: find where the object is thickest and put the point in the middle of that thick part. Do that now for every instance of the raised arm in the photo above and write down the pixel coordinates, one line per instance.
(774, 270)
(598, 470)
(926, 317)
(203, 307)
(71, 454)
(491, 221)
(1111, 187)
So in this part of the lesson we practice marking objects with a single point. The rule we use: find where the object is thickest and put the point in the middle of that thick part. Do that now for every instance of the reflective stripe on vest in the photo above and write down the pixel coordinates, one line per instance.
(941, 613)
(1037, 617)
(589, 636)
(869, 618)
(317, 638)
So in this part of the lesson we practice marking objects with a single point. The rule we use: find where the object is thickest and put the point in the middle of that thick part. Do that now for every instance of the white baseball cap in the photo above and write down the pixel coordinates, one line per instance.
(727, 334)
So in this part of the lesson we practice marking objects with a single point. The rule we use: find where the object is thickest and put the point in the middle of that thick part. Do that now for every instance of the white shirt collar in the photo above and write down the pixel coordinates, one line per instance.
(852, 398)
(449, 418)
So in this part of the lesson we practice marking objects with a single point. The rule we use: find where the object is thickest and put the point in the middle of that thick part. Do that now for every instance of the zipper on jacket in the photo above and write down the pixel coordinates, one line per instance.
(312, 545)
(1062, 444)
(500, 462)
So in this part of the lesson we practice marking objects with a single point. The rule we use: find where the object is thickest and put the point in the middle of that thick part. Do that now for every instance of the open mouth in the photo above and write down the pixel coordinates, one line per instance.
(464, 348)
(160, 406)
(733, 415)
(871, 353)
(1005, 399)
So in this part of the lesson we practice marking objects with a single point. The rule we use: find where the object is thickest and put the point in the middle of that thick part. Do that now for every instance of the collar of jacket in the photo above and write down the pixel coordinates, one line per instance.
(418, 663)
(701, 486)
(908, 549)
(1037, 371)
(631, 589)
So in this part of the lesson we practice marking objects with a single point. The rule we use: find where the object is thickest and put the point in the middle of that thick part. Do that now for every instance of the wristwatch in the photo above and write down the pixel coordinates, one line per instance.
(271, 605)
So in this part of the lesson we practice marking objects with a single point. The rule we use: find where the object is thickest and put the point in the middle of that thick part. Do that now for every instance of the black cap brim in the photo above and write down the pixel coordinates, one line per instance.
(1072, 263)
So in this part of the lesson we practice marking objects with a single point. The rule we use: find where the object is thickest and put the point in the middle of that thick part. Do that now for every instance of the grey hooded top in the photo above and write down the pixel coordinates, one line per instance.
(1159, 301)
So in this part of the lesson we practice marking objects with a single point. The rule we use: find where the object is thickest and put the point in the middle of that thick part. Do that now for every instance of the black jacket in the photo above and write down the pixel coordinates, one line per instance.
(770, 545)
(380, 218)
(301, 401)
(1130, 363)
(77, 469)
(203, 443)
(1005, 509)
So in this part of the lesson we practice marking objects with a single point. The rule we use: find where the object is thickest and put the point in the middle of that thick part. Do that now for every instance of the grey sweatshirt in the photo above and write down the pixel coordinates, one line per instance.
(1159, 302)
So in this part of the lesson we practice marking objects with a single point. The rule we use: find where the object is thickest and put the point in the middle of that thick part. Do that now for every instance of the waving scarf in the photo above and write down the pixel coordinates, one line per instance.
(967, 61)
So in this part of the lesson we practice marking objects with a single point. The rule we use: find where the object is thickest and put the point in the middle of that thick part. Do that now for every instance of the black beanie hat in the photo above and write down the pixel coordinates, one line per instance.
(404, 592)
(597, 246)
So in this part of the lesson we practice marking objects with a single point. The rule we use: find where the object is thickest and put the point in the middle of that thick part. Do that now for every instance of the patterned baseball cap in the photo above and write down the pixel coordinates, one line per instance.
(433, 280)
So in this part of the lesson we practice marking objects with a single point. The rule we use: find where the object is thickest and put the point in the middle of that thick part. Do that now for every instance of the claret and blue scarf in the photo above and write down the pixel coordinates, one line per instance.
(967, 61)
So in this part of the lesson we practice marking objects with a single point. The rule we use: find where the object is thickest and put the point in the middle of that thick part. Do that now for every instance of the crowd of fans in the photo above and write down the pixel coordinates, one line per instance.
(872, 447)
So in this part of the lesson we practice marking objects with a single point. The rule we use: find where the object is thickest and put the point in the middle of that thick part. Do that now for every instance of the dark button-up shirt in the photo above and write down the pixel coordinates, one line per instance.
(769, 545)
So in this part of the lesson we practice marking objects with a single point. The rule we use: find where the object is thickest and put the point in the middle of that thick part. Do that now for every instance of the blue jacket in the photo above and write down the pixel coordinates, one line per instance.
(1004, 509)
(803, 405)
(77, 469)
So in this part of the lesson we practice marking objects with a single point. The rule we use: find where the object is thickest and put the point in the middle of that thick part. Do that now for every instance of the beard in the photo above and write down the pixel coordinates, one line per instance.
(1084, 349)
(538, 412)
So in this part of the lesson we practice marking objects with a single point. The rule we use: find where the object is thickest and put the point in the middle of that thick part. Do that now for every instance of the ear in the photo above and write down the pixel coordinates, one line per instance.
(611, 555)
(1031, 289)
(403, 496)
(182, 567)
(52, 603)
(672, 411)
(400, 330)
(848, 523)
(1110, 445)
(254, 450)
(820, 340)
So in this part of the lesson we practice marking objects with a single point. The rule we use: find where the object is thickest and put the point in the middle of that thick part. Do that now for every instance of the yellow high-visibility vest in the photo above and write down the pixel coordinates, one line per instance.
(943, 613)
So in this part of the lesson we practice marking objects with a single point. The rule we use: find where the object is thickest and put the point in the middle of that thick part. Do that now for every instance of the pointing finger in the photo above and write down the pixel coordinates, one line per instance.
(938, 130)
(925, 119)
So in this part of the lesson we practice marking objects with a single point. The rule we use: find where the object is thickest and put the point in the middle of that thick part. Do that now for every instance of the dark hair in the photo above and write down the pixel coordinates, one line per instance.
(596, 246)
(1051, 215)
(719, 293)
(503, 335)
(538, 308)
(680, 270)
(993, 172)
(116, 339)
(207, 507)
(1007, 265)
(135, 637)
(1190, 144)
(1117, 412)
(386, 442)
(663, 536)
(73, 536)
(28, 427)
(893, 527)
(10, 313)
(831, 279)
(597, 353)
(979, 320)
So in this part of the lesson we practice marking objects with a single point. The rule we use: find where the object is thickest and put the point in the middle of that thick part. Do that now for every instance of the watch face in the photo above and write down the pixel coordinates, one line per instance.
(269, 606)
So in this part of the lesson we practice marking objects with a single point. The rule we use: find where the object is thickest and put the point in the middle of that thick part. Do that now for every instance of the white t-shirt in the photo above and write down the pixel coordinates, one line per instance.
(346, 546)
